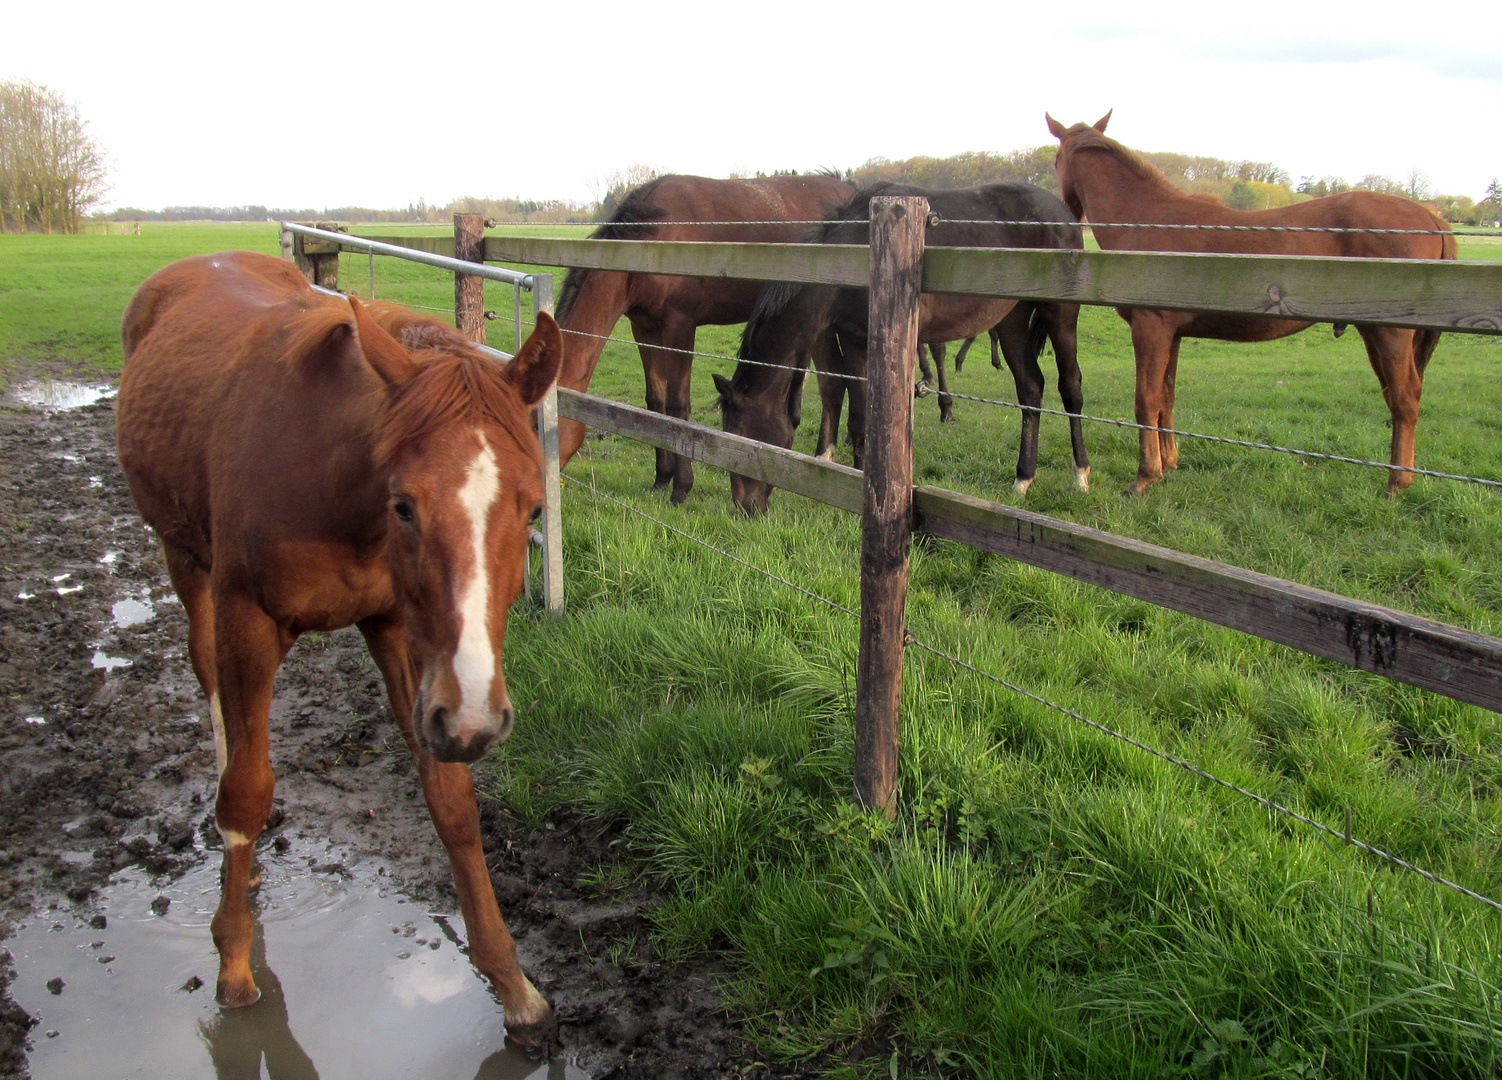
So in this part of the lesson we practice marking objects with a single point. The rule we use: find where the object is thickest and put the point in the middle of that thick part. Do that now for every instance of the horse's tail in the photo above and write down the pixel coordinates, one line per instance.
(1424, 341)
(1037, 333)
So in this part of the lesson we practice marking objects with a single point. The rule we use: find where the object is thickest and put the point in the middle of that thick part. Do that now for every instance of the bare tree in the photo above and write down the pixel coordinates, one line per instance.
(610, 190)
(51, 169)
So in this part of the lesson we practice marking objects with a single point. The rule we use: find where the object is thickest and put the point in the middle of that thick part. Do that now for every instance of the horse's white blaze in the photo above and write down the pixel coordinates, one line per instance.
(216, 717)
(474, 659)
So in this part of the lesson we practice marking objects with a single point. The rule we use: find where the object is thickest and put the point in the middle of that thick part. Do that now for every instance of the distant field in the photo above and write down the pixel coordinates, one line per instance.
(1048, 902)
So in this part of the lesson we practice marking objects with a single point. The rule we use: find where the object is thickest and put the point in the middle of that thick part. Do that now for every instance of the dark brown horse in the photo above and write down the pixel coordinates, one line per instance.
(308, 464)
(829, 323)
(665, 311)
(1104, 182)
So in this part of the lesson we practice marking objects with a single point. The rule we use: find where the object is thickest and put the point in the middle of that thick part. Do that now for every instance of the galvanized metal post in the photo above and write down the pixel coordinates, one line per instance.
(547, 434)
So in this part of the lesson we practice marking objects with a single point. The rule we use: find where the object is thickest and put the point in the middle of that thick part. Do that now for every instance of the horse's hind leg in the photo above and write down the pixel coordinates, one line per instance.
(946, 403)
(1022, 359)
(655, 372)
(450, 794)
(827, 360)
(1392, 356)
(191, 582)
(248, 648)
(1167, 442)
(1062, 324)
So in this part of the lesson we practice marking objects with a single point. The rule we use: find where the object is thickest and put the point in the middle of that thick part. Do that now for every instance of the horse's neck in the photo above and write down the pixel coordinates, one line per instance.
(1111, 192)
(601, 301)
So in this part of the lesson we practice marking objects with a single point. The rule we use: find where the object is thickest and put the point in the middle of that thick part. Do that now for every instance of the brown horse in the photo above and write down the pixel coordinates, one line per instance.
(307, 470)
(665, 311)
(1106, 183)
(829, 323)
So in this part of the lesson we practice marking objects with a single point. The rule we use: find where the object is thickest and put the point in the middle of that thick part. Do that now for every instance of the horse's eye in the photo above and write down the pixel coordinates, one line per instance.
(536, 516)
(403, 511)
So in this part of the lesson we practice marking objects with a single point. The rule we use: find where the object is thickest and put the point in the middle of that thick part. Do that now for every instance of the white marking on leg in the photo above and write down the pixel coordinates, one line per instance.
(534, 1010)
(474, 659)
(231, 837)
(1021, 486)
(827, 455)
(1082, 478)
(221, 750)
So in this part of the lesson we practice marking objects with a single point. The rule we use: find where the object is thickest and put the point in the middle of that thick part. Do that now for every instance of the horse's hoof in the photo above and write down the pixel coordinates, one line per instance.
(1137, 487)
(533, 1025)
(236, 995)
(827, 455)
(1082, 479)
(946, 418)
(1021, 486)
(661, 482)
(678, 495)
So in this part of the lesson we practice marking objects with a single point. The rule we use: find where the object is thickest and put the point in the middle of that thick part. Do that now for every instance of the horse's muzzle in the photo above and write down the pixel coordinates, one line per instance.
(448, 738)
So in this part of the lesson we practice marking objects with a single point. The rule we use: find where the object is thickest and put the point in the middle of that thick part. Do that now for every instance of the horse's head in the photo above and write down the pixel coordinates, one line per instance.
(769, 417)
(465, 485)
(1063, 160)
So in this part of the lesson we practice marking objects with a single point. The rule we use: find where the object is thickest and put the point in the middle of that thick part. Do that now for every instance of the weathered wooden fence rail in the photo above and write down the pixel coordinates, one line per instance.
(1450, 296)
(1455, 296)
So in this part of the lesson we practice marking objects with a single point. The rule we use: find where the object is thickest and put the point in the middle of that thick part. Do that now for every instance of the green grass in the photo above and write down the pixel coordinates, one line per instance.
(1049, 901)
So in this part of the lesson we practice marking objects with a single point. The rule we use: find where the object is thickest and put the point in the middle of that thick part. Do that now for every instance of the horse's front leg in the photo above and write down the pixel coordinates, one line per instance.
(1392, 356)
(1152, 342)
(827, 358)
(449, 791)
(248, 648)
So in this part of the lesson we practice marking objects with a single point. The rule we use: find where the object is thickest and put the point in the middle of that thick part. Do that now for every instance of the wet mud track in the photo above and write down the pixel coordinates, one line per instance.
(107, 787)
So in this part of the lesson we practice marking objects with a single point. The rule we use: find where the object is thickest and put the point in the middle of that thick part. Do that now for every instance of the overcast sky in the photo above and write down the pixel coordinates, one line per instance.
(379, 104)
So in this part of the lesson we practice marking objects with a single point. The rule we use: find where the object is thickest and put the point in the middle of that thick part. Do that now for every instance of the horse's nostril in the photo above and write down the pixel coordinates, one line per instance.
(438, 722)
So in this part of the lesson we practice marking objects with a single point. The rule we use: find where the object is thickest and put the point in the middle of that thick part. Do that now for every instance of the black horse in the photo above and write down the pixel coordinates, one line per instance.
(829, 323)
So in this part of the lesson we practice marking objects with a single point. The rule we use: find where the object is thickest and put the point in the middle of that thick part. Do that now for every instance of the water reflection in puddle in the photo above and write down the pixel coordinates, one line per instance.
(353, 984)
(104, 662)
(129, 613)
(54, 394)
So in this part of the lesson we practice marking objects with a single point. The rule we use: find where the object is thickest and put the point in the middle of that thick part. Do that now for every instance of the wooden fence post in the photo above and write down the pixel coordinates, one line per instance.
(897, 227)
(295, 253)
(547, 434)
(469, 291)
(326, 267)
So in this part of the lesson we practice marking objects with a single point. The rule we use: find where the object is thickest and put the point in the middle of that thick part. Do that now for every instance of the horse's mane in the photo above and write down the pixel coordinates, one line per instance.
(771, 302)
(632, 220)
(1090, 139)
(455, 383)
(454, 386)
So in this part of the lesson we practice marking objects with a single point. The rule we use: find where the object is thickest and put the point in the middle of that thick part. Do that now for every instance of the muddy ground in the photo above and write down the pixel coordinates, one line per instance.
(108, 762)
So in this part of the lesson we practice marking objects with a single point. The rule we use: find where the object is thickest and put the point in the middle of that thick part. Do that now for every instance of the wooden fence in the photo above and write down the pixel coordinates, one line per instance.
(1451, 296)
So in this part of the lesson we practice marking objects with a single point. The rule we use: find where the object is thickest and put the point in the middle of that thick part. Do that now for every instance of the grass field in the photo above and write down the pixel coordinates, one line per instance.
(1049, 902)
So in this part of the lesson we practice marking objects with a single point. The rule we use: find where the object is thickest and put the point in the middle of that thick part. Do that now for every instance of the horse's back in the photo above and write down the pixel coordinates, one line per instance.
(207, 376)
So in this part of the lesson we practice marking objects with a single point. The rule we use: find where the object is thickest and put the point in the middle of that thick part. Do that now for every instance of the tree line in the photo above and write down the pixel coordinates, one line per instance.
(1241, 185)
(51, 169)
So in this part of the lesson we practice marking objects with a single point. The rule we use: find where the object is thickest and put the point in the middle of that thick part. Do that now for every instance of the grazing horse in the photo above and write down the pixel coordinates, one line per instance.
(829, 323)
(310, 463)
(1105, 183)
(664, 310)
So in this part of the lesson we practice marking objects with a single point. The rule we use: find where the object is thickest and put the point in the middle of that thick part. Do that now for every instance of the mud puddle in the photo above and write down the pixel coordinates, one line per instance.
(356, 981)
(56, 394)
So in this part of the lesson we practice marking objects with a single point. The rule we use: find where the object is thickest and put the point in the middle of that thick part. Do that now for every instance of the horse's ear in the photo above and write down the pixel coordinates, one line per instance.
(1055, 128)
(381, 351)
(1100, 125)
(722, 384)
(535, 366)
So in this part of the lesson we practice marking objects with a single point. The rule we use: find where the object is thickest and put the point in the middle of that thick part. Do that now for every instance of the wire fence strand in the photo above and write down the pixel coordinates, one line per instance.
(1171, 759)
(1273, 447)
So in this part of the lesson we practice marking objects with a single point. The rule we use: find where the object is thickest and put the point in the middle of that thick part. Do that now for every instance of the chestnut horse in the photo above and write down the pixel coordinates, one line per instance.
(1105, 183)
(829, 322)
(310, 463)
(665, 311)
